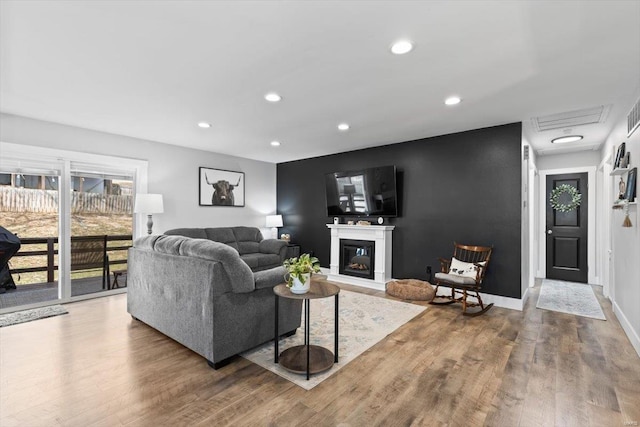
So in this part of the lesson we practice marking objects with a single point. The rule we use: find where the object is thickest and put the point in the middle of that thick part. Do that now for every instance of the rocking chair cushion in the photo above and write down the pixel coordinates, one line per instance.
(455, 279)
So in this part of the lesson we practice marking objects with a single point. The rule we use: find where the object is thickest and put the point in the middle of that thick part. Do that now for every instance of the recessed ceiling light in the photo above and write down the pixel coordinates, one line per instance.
(343, 126)
(453, 100)
(204, 125)
(272, 97)
(275, 143)
(401, 47)
(565, 139)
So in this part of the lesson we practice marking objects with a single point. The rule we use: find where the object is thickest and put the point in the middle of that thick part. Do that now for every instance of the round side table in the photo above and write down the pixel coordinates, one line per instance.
(307, 358)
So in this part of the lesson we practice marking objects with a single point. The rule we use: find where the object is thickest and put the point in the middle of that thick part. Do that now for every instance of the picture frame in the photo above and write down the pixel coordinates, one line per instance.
(219, 187)
(632, 177)
(619, 155)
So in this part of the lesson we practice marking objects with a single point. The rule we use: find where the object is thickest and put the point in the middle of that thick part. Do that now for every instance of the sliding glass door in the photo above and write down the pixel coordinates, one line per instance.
(101, 229)
(29, 209)
(74, 215)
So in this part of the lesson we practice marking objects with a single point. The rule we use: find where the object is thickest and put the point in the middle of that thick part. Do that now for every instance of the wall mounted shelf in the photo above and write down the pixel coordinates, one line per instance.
(621, 205)
(619, 171)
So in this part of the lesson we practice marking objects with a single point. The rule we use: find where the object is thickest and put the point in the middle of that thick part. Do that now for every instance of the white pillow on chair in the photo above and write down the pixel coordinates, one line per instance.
(465, 269)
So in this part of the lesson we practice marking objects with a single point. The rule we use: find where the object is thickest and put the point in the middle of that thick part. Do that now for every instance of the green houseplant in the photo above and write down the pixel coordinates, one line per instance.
(299, 272)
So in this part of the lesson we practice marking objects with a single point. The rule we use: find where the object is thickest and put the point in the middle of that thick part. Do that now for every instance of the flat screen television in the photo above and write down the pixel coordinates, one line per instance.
(365, 192)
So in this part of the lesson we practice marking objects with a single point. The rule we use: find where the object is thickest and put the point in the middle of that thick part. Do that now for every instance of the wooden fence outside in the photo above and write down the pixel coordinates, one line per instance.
(14, 199)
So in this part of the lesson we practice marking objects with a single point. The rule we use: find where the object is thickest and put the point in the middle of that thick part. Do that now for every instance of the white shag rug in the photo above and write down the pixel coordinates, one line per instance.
(29, 315)
(363, 321)
(569, 297)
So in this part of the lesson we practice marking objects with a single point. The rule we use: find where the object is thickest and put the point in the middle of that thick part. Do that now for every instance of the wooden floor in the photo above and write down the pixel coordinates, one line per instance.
(96, 366)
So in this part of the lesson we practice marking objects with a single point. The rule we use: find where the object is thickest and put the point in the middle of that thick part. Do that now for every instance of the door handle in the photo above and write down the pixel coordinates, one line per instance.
(549, 231)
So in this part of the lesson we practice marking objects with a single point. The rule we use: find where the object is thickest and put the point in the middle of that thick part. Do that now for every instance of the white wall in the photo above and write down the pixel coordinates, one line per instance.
(625, 242)
(569, 160)
(173, 171)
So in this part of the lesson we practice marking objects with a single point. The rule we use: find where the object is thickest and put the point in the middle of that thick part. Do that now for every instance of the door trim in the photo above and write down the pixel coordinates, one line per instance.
(591, 226)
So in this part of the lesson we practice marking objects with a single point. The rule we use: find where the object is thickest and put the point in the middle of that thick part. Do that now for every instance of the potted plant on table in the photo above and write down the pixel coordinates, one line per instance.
(299, 272)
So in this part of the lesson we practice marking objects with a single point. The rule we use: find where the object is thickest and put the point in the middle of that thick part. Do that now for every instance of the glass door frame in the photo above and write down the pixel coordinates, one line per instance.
(63, 159)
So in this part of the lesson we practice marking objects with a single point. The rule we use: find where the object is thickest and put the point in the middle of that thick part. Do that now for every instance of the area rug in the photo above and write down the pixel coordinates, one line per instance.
(571, 298)
(29, 315)
(364, 320)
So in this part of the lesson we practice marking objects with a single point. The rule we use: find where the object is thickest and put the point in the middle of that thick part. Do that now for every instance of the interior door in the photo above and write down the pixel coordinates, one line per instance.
(567, 231)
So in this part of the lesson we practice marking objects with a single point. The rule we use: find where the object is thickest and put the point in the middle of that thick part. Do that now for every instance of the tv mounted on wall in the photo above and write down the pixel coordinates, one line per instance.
(365, 192)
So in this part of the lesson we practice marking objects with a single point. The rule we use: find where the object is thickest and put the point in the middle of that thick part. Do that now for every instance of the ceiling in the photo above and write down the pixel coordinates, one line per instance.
(154, 69)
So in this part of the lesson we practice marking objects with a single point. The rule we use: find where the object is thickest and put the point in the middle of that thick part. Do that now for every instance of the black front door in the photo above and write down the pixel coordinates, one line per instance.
(567, 230)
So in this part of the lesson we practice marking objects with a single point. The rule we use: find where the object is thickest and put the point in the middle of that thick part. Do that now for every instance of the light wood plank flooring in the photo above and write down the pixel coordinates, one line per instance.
(96, 366)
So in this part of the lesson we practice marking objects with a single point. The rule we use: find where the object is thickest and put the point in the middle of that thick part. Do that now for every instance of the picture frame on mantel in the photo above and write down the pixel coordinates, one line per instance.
(219, 187)
(630, 193)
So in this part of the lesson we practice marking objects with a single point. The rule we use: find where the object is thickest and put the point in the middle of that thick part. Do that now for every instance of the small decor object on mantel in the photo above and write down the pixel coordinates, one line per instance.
(299, 272)
(560, 203)
(363, 223)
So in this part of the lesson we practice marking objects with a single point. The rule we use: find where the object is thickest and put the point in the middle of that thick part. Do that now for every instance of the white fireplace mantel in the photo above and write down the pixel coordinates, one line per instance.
(381, 235)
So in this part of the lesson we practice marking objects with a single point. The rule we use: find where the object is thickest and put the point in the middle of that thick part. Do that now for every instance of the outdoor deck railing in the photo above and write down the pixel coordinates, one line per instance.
(51, 251)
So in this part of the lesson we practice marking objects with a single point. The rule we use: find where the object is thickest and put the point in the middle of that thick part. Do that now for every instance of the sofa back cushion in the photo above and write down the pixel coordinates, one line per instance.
(245, 240)
(194, 233)
(248, 239)
(238, 273)
(223, 235)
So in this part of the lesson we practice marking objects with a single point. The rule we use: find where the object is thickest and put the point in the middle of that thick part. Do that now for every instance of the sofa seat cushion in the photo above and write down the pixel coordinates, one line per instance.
(261, 260)
(252, 260)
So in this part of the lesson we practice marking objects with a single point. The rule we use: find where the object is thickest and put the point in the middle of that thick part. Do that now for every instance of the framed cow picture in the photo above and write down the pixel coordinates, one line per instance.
(221, 187)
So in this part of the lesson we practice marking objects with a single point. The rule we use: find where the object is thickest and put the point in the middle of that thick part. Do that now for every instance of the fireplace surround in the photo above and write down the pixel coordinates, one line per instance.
(374, 242)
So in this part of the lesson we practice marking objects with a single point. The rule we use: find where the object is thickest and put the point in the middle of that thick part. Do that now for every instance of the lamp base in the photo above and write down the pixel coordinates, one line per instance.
(274, 233)
(149, 224)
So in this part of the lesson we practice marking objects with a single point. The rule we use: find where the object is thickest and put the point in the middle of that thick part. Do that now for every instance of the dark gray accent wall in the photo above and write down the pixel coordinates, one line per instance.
(463, 187)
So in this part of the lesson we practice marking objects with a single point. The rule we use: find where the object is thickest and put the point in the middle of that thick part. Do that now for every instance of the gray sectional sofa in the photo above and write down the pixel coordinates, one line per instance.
(257, 252)
(203, 294)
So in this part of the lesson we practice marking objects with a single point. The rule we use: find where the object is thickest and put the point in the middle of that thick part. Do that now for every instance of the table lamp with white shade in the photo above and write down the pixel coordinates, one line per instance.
(149, 204)
(273, 222)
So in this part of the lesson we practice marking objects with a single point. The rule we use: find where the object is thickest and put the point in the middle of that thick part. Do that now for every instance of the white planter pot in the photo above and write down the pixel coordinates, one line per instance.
(298, 288)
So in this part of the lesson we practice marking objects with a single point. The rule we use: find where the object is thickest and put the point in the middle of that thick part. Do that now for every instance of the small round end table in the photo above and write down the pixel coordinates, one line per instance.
(307, 358)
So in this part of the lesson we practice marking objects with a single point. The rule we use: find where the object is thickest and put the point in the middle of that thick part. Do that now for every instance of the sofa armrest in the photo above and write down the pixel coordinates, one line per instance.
(273, 246)
(269, 278)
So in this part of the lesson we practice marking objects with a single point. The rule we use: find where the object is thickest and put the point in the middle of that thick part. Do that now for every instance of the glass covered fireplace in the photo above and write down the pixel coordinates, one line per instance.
(357, 258)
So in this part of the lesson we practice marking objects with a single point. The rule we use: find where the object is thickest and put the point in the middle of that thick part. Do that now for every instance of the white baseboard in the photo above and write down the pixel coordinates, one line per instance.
(497, 300)
(627, 327)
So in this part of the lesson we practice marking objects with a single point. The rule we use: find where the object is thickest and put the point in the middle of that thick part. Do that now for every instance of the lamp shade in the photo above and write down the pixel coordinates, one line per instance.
(274, 221)
(148, 204)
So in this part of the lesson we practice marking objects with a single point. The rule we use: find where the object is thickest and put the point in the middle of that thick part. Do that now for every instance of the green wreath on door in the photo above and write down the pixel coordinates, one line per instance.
(571, 191)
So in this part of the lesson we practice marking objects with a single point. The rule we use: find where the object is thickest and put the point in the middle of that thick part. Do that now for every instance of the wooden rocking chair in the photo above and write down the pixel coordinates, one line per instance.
(464, 274)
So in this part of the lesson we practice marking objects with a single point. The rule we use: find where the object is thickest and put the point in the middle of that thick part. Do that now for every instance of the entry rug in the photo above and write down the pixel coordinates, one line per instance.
(571, 298)
(364, 320)
(29, 315)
